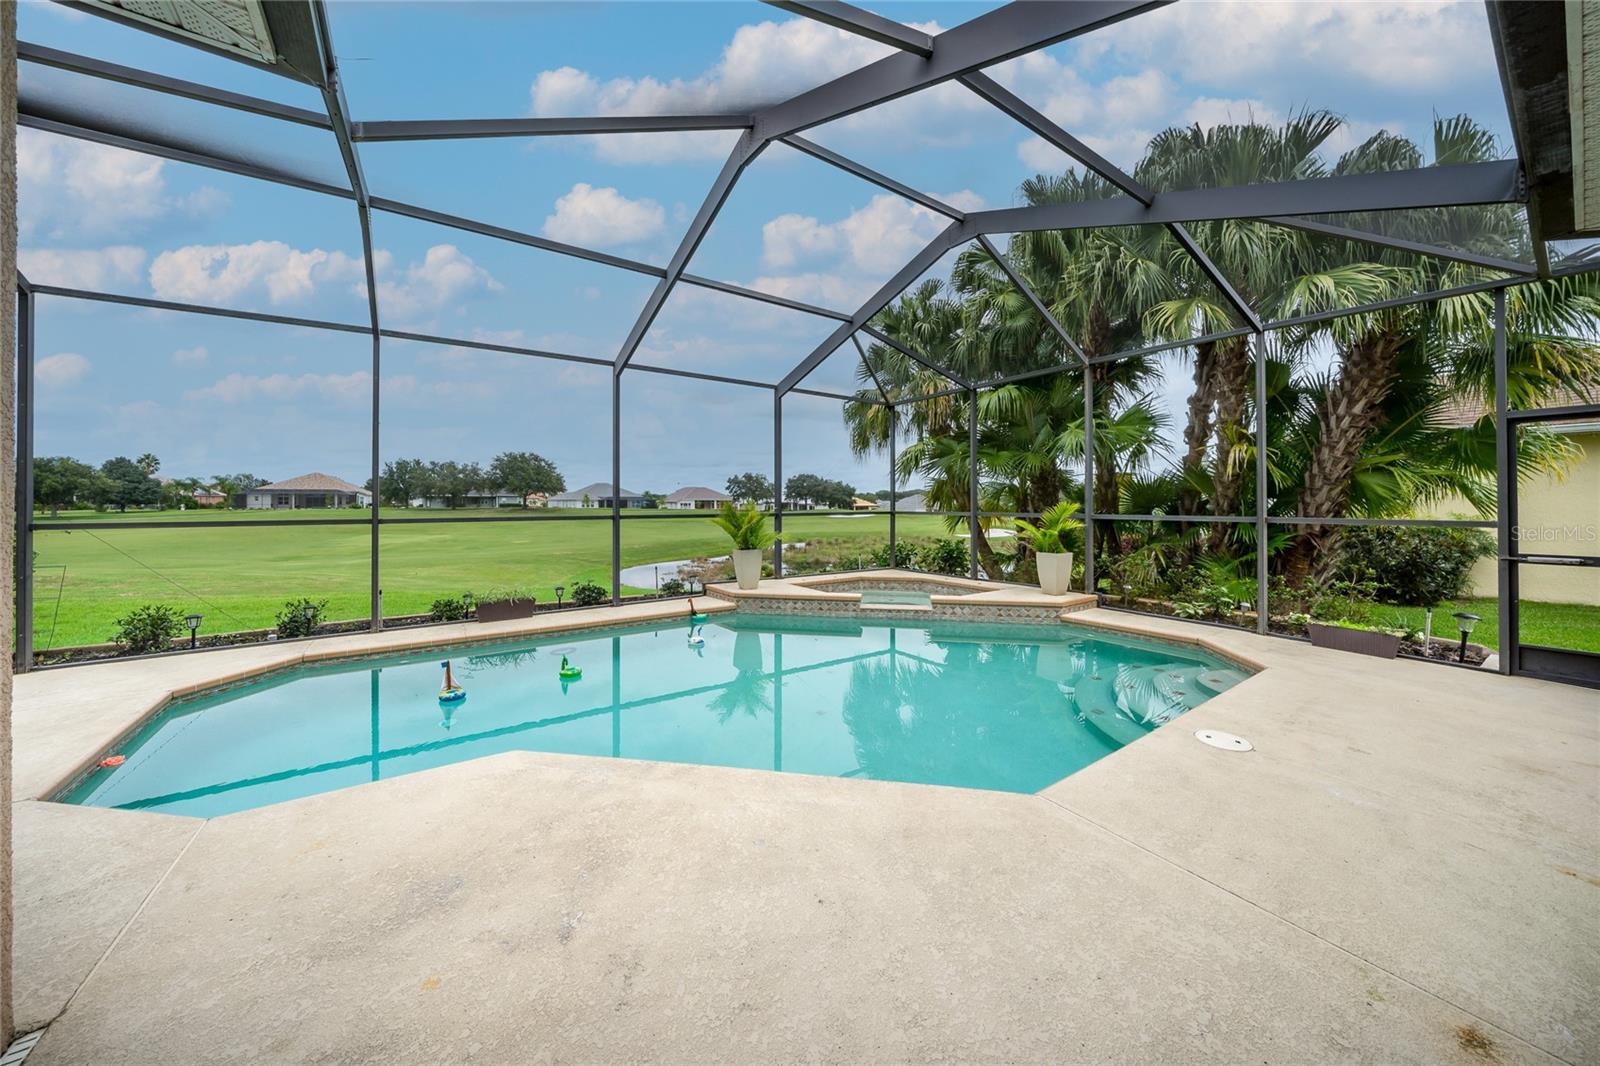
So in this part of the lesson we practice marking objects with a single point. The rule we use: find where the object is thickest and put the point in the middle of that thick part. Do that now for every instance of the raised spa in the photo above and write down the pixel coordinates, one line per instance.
(994, 706)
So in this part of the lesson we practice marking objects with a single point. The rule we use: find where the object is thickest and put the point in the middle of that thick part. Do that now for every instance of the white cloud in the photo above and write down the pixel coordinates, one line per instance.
(60, 370)
(1244, 43)
(444, 275)
(874, 240)
(823, 288)
(91, 268)
(962, 200)
(762, 64)
(600, 218)
(191, 356)
(354, 388)
(220, 273)
(71, 188)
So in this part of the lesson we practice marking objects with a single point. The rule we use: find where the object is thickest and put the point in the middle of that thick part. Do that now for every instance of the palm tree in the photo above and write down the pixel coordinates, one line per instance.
(1377, 444)
(1257, 260)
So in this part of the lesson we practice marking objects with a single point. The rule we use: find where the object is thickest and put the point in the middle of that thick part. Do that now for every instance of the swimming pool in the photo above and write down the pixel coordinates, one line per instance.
(994, 706)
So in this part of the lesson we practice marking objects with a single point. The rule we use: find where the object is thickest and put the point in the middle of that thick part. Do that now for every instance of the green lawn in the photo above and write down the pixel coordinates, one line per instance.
(1555, 625)
(239, 578)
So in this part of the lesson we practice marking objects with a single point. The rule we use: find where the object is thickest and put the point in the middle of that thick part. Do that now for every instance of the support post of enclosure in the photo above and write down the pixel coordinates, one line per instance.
(616, 488)
(1261, 483)
(777, 481)
(375, 588)
(894, 490)
(26, 309)
(972, 481)
(1506, 574)
(1088, 479)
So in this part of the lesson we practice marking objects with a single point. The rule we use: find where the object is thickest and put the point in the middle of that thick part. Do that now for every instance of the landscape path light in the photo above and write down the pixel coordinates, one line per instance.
(1465, 621)
(193, 622)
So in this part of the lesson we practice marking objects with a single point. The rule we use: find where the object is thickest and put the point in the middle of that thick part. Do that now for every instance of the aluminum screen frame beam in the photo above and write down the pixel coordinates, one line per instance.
(743, 154)
(993, 37)
(862, 23)
(118, 139)
(1458, 185)
(1040, 124)
(1032, 297)
(475, 128)
(1327, 229)
(44, 56)
(339, 115)
(873, 374)
(913, 355)
(1218, 279)
(866, 173)
(1387, 190)
(914, 268)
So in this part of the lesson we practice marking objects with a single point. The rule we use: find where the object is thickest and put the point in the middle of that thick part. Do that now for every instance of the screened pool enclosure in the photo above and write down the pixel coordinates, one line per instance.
(1233, 346)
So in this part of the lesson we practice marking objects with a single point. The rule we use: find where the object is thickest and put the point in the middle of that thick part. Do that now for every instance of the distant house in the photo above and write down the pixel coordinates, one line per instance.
(919, 502)
(208, 497)
(858, 504)
(597, 495)
(475, 498)
(696, 498)
(306, 491)
(536, 499)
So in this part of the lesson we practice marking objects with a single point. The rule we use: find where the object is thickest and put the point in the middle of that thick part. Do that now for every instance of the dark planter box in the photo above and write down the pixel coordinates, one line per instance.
(1363, 641)
(504, 610)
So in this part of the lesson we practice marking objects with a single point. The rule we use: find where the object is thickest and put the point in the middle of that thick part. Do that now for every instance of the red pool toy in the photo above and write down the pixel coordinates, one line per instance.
(112, 760)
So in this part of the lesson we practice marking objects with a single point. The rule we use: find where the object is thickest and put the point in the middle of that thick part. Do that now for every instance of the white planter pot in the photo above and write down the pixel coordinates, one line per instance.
(747, 567)
(1055, 572)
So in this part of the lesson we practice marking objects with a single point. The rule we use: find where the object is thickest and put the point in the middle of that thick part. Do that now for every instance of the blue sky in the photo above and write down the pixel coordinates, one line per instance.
(211, 395)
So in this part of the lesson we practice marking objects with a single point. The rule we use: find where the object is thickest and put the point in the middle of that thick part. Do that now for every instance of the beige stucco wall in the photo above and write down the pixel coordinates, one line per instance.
(1554, 518)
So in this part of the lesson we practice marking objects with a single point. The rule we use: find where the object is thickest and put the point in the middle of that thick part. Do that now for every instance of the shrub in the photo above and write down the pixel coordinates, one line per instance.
(1412, 565)
(149, 628)
(943, 557)
(673, 587)
(448, 609)
(879, 557)
(300, 618)
(587, 594)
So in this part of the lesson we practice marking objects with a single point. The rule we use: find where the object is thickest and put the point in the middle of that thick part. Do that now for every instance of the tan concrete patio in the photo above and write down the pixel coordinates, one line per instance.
(1406, 869)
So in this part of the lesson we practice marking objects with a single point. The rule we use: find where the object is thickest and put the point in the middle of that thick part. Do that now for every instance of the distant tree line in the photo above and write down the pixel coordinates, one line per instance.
(62, 482)
(518, 473)
(810, 489)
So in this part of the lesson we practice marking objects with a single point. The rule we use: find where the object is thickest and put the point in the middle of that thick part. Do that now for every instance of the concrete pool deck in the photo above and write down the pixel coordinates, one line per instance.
(1406, 869)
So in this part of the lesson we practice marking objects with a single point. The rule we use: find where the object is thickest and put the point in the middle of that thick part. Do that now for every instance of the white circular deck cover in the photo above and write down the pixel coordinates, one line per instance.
(1225, 741)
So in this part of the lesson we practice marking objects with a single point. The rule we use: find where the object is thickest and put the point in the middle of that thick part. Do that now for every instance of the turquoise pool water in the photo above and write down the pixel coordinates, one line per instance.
(1007, 707)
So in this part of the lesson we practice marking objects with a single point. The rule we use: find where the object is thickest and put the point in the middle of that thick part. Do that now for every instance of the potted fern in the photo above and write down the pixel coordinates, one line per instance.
(1048, 539)
(747, 528)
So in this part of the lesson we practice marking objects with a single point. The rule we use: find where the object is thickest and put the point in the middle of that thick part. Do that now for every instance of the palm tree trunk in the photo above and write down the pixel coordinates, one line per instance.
(1231, 384)
(987, 560)
(1198, 425)
(1097, 341)
(1350, 412)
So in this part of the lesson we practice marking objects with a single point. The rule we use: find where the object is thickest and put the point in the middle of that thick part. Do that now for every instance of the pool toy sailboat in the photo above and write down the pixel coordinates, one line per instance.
(450, 692)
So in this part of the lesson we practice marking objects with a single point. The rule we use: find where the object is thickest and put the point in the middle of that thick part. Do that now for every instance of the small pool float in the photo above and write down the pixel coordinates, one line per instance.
(696, 640)
(568, 672)
(697, 617)
(111, 762)
(450, 692)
